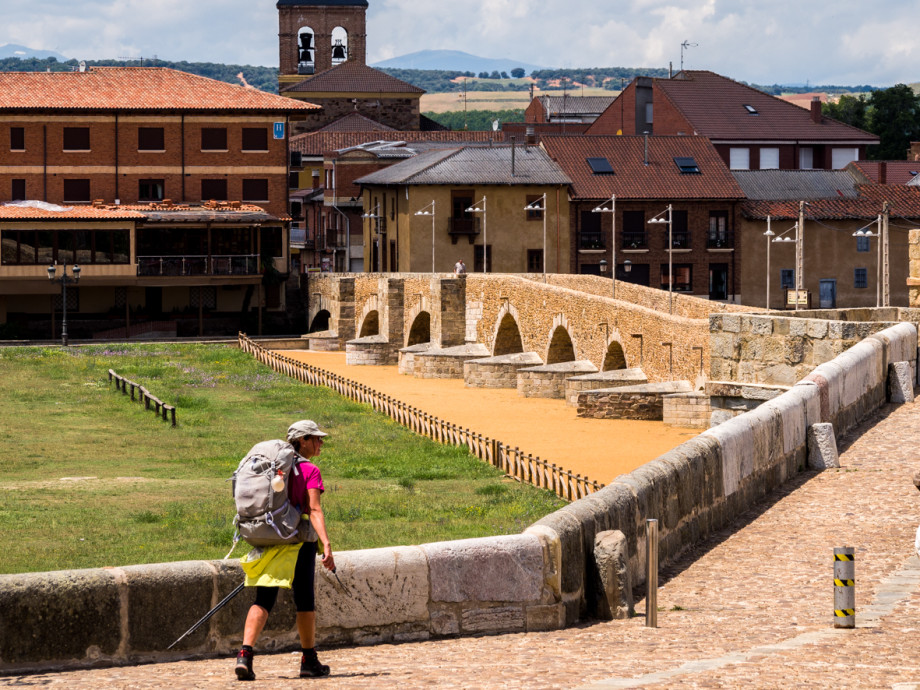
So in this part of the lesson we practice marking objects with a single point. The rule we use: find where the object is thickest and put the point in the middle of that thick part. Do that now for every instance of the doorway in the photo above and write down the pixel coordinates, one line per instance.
(827, 294)
(718, 281)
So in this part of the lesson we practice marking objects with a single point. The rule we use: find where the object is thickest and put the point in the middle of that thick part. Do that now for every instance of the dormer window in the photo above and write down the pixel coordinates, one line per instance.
(751, 109)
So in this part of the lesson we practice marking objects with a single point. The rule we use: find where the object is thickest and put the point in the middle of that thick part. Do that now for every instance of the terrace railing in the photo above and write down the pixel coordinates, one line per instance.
(518, 465)
(198, 265)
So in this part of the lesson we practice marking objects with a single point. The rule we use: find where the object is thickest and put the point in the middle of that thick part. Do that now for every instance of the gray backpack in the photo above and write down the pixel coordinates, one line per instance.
(265, 516)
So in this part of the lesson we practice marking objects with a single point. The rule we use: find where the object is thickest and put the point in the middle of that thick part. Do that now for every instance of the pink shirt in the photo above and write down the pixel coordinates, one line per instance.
(307, 477)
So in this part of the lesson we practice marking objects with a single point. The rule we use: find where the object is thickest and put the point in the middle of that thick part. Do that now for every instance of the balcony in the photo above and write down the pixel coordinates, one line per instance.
(635, 240)
(298, 235)
(680, 240)
(721, 240)
(192, 265)
(591, 242)
(463, 227)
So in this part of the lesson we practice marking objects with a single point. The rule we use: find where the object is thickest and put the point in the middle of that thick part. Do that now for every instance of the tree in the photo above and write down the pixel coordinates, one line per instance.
(894, 116)
(850, 110)
(495, 74)
(483, 75)
(504, 75)
(518, 72)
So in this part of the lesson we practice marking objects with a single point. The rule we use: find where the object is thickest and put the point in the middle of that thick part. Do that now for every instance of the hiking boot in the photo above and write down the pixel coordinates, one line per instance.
(310, 666)
(244, 665)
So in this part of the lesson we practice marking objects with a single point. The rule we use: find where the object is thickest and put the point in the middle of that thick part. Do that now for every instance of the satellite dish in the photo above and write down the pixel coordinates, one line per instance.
(494, 125)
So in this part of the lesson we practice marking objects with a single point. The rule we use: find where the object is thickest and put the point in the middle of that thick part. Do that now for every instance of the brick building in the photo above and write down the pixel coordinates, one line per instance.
(750, 129)
(153, 139)
(647, 176)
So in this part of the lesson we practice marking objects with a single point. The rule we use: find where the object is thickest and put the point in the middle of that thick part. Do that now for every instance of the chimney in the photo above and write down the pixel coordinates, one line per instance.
(882, 172)
(816, 110)
(530, 137)
(646, 148)
(315, 179)
(513, 151)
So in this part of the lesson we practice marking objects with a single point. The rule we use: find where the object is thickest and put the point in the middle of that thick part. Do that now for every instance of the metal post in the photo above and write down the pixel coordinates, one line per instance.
(844, 587)
(433, 210)
(670, 265)
(544, 237)
(64, 299)
(799, 255)
(769, 233)
(613, 242)
(878, 263)
(485, 238)
(651, 579)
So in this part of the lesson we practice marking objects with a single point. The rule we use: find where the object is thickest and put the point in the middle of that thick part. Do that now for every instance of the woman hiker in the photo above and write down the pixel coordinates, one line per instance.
(270, 567)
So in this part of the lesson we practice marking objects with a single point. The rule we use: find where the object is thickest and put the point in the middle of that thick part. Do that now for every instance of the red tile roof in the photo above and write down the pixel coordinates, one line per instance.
(18, 212)
(134, 88)
(353, 77)
(896, 172)
(355, 122)
(632, 179)
(318, 143)
(714, 106)
(903, 202)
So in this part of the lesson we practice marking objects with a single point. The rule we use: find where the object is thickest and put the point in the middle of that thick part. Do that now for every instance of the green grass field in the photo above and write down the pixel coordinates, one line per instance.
(91, 479)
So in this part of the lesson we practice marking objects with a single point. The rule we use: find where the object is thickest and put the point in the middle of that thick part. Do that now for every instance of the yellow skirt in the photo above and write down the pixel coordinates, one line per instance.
(271, 566)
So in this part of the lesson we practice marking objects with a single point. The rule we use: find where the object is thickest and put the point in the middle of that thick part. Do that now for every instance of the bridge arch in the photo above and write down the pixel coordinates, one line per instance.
(615, 358)
(420, 332)
(320, 321)
(560, 348)
(507, 337)
(370, 325)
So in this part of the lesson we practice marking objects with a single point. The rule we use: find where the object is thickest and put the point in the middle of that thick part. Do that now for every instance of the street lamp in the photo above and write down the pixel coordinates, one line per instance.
(373, 214)
(782, 238)
(659, 219)
(425, 212)
(476, 208)
(613, 237)
(64, 279)
(768, 234)
(865, 232)
(540, 205)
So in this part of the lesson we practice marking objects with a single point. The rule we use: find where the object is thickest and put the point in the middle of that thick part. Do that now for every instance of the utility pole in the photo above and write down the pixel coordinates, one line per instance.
(799, 259)
(886, 296)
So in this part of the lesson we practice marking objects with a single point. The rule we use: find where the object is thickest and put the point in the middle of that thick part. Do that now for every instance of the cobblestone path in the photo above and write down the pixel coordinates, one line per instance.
(749, 608)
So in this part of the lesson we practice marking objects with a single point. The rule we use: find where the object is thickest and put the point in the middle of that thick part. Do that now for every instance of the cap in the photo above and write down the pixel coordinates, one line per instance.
(305, 427)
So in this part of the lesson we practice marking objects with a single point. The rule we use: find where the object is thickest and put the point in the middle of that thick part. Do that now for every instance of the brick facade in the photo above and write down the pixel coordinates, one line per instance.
(322, 20)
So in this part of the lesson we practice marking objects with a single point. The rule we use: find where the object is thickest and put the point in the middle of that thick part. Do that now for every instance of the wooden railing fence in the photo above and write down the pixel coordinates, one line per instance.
(161, 408)
(524, 467)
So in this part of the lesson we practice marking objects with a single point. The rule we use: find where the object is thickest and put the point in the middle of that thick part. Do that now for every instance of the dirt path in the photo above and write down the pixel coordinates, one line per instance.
(600, 449)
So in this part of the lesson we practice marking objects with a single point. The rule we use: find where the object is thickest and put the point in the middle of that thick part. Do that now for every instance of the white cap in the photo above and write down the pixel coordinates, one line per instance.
(305, 427)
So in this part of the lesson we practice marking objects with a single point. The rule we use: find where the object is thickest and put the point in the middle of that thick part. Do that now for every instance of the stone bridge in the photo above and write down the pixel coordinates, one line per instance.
(568, 318)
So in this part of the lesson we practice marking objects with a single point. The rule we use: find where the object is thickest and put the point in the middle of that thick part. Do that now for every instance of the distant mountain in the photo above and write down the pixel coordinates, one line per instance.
(11, 50)
(453, 60)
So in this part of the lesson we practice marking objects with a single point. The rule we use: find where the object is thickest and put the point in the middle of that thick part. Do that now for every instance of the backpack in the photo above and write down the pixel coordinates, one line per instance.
(265, 516)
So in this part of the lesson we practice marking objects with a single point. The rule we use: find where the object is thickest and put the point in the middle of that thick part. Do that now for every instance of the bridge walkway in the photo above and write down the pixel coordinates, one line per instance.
(748, 608)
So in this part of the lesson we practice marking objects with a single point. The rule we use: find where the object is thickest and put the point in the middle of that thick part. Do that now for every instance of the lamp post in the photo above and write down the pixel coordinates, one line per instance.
(865, 232)
(426, 212)
(655, 220)
(613, 237)
(782, 238)
(64, 279)
(768, 234)
(369, 215)
(476, 208)
(540, 205)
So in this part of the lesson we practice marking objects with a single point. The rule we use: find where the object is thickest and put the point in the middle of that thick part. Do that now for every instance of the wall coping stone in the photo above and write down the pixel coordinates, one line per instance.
(513, 358)
(369, 340)
(420, 347)
(632, 374)
(646, 388)
(468, 350)
(563, 367)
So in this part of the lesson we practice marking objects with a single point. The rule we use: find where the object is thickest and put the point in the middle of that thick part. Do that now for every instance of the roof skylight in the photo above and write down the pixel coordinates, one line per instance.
(687, 166)
(600, 166)
(751, 109)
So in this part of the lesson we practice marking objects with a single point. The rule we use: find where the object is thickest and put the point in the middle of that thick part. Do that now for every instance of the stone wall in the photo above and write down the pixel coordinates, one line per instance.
(373, 350)
(913, 282)
(602, 379)
(548, 381)
(629, 402)
(687, 410)
(729, 399)
(446, 363)
(497, 372)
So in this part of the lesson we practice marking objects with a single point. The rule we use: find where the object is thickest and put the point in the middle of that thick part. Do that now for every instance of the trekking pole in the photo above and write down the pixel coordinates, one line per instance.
(207, 616)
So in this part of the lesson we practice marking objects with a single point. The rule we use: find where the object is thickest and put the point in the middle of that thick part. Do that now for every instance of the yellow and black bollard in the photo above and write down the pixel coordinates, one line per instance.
(844, 587)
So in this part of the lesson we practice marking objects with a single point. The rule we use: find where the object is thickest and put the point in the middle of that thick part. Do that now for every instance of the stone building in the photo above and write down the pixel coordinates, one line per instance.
(645, 177)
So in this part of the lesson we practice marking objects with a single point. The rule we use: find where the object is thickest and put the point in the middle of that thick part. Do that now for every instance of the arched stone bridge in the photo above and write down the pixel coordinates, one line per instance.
(567, 318)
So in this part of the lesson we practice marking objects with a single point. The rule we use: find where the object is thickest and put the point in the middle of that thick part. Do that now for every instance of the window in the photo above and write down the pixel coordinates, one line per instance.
(751, 109)
(17, 139)
(680, 230)
(255, 190)
(649, 113)
(634, 236)
(19, 190)
(860, 278)
(294, 180)
(537, 202)
(687, 165)
(862, 244)
(840, 158)
(477, 259)
(806, 158)
(600, 166)
(683, 277)
(769, 159)
(30, 247)
(76, 139)
(787, 278)
(150, 139)
(150, 190)
(739, 158)
(213, 138)
(255, 139)
(215, 190)
(535, 261)
(76, 190)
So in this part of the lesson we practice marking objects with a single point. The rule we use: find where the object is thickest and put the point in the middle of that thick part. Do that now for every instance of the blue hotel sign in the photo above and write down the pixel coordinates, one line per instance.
(279, 130)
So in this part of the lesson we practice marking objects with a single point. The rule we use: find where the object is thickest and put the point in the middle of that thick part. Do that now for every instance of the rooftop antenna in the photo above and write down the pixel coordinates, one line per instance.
(463, 97)
(685, 44)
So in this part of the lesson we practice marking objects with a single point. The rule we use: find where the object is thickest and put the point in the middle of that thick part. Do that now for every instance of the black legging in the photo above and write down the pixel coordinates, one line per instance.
(301, 586)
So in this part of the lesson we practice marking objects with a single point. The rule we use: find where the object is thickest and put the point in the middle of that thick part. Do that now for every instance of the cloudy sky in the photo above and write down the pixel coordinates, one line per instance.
(785, 41)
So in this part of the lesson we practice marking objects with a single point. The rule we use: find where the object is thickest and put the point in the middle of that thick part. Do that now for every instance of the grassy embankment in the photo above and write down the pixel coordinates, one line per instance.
(90, 479)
